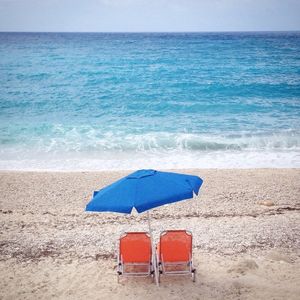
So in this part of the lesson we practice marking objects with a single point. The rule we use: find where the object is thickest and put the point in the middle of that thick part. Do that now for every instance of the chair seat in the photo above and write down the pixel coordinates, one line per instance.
(174, 253)
(135, 254)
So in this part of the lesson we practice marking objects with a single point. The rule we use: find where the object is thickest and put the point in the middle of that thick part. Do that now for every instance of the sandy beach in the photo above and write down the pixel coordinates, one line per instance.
(246, 227)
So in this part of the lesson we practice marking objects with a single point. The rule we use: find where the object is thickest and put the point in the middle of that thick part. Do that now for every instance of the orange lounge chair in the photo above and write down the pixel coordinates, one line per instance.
(174, 253)
(135, 255)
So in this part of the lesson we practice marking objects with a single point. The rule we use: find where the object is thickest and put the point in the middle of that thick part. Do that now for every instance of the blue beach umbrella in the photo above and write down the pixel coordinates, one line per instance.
(143, 190)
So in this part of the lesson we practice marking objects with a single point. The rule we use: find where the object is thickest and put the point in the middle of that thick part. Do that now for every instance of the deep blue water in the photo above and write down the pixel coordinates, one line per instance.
(122, 101)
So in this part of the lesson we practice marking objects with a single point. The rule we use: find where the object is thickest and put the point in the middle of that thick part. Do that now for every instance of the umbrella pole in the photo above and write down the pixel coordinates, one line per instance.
(153, 251)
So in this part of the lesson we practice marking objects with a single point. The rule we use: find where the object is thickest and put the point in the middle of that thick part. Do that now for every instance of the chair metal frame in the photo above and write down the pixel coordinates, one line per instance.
(121, 270)
(164, 265)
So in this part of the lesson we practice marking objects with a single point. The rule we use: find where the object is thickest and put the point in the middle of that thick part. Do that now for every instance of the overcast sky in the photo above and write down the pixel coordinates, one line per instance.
(149, 15)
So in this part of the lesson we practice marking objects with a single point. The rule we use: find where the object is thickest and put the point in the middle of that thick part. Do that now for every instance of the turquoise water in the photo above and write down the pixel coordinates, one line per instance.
(125, 101)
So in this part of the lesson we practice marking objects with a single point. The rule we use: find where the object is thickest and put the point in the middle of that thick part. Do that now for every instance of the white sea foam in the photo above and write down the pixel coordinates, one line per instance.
(89, 151)
(88, 139)
(159, 160)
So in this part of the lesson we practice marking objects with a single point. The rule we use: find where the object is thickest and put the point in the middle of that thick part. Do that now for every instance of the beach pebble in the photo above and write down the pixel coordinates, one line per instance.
(266, 203)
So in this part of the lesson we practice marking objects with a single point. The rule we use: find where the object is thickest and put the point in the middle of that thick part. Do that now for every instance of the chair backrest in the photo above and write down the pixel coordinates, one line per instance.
(135, 247)
(175, 246)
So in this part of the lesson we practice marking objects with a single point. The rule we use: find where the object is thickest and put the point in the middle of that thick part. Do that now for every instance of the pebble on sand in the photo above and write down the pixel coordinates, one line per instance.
(266, 203)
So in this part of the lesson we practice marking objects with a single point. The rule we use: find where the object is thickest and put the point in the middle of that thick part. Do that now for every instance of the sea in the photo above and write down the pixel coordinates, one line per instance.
(123, 101)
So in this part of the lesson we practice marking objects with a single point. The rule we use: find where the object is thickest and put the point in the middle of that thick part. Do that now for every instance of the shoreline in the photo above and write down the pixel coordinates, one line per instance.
(132, 170)
(245, 224)
(151, 160)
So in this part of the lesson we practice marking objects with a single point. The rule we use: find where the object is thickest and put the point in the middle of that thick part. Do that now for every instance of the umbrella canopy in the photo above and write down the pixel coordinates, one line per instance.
(143, 190)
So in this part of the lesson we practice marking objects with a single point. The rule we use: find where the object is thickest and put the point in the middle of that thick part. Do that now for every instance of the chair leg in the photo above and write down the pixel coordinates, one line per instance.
(194, 275)
(119, 273)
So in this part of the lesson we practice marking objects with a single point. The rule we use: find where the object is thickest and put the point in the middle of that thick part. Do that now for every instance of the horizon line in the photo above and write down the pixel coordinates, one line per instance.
(215, 31)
